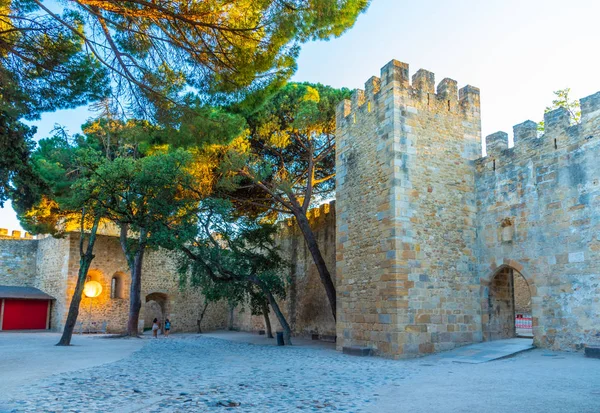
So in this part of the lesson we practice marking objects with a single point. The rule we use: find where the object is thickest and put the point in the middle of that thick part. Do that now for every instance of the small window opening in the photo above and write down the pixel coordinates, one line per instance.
(494, 164)
(428, 99)
(448, 105)
(555, 144)
(116, 287)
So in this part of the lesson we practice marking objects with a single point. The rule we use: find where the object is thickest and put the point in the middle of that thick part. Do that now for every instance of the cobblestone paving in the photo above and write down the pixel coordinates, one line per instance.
(204, 374)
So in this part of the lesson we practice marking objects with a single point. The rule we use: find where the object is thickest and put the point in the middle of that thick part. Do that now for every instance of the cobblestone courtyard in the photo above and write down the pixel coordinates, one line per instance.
(207, 374)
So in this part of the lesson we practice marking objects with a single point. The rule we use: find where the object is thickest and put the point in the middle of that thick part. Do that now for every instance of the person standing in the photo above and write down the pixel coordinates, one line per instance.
(167, 327)
(155, 327)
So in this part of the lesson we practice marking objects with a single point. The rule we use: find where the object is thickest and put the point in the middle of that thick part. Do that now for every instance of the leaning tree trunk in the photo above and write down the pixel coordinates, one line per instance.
(230, 321)
(202, 316)
(265, 311)
(85, 260)
(287, 331)
(313, 247)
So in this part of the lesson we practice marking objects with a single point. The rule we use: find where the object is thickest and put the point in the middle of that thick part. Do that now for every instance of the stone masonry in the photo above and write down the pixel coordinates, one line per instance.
(547, 189)
(424, 224)
(52, 264)
(306, 306)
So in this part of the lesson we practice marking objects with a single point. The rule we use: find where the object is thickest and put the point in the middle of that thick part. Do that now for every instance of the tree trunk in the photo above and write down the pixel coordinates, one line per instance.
(135, 299)
(202, 316)
(230, 323)
(85, 261)
(287, 331)
(135, 263)
(313, 247)
(265, 311)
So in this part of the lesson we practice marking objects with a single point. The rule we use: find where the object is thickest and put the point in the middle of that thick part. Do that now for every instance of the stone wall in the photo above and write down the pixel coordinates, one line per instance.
(539, 213)
(405, 214)
(159, 278)
(17, 262)
(52, 269)
(522, 295)
(306, 307)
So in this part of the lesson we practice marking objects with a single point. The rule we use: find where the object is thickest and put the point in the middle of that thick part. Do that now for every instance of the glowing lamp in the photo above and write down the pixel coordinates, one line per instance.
(92, 289)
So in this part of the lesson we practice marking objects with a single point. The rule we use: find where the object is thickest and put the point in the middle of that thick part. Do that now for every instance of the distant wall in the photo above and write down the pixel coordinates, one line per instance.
(306, 308)
(17, 262)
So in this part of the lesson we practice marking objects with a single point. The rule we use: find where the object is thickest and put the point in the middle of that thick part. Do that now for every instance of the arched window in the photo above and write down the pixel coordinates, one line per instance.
(116, 286)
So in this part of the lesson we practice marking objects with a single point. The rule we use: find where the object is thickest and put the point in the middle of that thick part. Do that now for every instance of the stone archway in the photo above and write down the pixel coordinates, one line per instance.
(504, 297)
(156, 306)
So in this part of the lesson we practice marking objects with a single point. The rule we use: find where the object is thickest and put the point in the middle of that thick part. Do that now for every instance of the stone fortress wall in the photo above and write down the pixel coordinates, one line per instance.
(306, 307)
(51, 264)
(406, 214)
(424, 224)
(538, 211)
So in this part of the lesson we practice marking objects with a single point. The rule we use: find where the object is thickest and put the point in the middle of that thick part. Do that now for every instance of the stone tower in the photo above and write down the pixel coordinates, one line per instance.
(406, 208)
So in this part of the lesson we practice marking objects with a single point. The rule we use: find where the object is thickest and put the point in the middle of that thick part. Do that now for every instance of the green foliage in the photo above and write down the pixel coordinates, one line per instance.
(61, 165)
(291, 162)
(16, 141)
(159, 52)
(43, 67)
(563, 100)
(232, 257)
(150, 193)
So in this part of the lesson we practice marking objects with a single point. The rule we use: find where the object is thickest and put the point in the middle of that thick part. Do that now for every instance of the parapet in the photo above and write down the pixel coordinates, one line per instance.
(558, 130)
(14, 234)
(395, 76)
(590, 105)
(496, 143)
(314, 214)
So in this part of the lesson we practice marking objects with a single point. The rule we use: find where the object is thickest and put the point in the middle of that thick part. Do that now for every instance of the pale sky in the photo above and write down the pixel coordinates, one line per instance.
(516, 52)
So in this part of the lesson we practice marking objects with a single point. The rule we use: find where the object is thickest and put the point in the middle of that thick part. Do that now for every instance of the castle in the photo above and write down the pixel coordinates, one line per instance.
(432, 244)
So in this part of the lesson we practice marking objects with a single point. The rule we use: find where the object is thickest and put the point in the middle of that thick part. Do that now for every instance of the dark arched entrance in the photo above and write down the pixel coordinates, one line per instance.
(506, 311)
(155, 307)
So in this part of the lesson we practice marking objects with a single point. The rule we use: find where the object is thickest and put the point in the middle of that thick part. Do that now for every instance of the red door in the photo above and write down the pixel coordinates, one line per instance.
(25, 314)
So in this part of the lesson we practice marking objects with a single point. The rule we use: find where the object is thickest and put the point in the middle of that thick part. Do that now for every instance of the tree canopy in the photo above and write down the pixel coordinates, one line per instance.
(219, 49)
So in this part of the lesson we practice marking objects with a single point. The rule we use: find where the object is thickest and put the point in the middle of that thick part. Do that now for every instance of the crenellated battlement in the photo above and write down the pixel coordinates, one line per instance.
(18, 235)
(420, 93)
(558, 133)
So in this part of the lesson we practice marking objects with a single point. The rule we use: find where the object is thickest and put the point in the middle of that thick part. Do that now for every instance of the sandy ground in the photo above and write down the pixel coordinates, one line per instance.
(203, 373)
(27, 357)
(531, 382)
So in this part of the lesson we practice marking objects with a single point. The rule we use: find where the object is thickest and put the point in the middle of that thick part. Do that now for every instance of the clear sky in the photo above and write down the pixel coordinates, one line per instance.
(516, 51)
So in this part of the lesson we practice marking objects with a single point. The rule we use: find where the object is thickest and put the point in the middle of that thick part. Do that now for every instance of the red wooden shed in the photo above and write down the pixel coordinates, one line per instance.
(24, 308)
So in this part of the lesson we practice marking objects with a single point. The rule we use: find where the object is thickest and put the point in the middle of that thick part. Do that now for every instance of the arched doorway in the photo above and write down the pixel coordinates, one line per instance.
(155, 307)
(506, 311)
